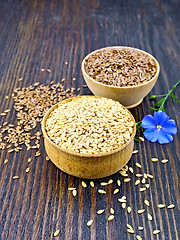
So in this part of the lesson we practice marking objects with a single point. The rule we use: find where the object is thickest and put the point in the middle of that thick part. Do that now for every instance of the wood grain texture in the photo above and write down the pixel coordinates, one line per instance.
(46, 34)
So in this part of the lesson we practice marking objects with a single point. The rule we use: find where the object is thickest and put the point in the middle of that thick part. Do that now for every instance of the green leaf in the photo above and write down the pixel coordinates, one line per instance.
(160, 102)
(137, 140)
(155, 109)
(172, 95)
(152, 97)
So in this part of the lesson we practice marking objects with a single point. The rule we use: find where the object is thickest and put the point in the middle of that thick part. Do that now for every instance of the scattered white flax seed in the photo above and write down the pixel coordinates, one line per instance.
(56, 233)
(164, 160)
(171, 206)
(47, 158)
(123, 205)
(66, 63)
(27, 170)
(48, 70)
(135, 151)
(138, 165)
(103, 183)
(84, 184)
(20, 79)
(100, 211)
(149, 175)
(42, 69)
(143, 181)
(129, 226)
(137, 182)
(141, 138)
(147, 185)
(5, 161)
(141, 211)
(142, 189)
(161, 205)
(154, 159)
(127, 179)
(110, 181)
(130, 231)
(146, 202)
(74, 79)
(74, 192)
(123, 173)
(89, 223)
(92, 183)
(111, 210)
(138, 237)
(140, 228)
(116, 191)
(121, 200)
(131, 169)
(101, 191)
(111, 217)
(149, 217)
(138, 175)
(129, 209)
(156, 232)
(145, 175)
(71, 188)
(15, 177)
(118, 182)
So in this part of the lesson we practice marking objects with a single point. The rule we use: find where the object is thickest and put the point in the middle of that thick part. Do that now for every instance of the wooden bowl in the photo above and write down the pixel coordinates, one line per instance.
(87, 165)
(129, 96)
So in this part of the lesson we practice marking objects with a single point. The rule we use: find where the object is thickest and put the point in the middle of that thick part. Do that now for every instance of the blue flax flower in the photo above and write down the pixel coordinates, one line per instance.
(159, 128)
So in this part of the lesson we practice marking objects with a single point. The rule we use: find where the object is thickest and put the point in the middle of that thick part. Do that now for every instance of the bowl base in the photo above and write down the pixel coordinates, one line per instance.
(134, 105)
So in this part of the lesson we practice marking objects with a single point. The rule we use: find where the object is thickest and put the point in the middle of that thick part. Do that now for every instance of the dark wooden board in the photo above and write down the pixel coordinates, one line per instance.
(45, 34)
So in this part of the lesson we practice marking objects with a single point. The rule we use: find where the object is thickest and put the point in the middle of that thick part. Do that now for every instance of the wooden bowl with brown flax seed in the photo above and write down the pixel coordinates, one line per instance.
(124, 74)
(88, 136)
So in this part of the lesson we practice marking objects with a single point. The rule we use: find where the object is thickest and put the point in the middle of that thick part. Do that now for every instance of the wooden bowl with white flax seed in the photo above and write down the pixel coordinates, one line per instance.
(88, 136)
(124, 74)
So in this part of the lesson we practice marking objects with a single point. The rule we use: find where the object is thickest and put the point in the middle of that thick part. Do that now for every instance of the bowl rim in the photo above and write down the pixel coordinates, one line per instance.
(43, 123)
(126, 87)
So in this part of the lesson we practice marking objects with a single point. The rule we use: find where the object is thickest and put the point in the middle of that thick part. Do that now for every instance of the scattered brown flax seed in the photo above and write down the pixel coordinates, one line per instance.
(5, 161)
(56, 233)
(89, 223)
(15, 177)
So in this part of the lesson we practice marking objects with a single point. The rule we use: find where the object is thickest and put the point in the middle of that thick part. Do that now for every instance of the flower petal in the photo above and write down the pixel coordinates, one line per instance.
(164, 137)
(151, 135)
(170, 127)
(161, 117)
(148, 122)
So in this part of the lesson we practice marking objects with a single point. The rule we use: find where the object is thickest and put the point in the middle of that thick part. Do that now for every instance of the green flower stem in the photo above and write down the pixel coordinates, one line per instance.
(167, 95)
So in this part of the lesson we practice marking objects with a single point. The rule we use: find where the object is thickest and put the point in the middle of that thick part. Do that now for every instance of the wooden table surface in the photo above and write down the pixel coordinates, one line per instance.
(46, 34)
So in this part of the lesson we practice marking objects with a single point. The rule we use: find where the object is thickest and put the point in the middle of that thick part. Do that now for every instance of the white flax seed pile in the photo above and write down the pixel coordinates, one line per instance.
(90, 125)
